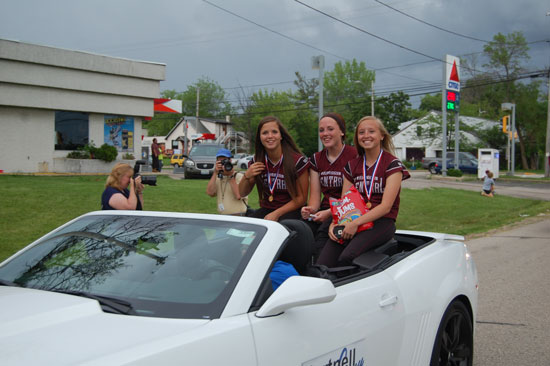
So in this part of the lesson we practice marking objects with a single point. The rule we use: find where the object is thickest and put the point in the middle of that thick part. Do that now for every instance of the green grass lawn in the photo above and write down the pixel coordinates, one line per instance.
(31, 206)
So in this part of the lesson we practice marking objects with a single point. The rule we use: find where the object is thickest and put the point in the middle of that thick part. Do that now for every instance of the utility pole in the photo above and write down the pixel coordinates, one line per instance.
(372, 97)
(512, 107)
(318, 62)
(547, 157)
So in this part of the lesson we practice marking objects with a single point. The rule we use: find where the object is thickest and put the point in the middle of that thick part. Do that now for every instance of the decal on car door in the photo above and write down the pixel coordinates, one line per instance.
(349, 355)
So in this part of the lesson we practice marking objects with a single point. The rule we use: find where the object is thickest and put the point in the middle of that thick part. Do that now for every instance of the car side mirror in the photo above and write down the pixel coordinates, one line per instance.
(297, 291)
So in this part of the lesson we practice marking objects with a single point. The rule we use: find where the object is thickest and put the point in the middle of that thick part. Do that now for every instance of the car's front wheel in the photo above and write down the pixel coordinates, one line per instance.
(454, 343)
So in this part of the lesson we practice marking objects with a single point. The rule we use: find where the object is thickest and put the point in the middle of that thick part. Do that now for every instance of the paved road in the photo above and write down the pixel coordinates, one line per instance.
(513, 324)
(516, 188)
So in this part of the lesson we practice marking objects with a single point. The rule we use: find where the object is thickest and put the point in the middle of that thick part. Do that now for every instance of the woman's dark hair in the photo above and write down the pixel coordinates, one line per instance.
(289, 147)
(339, 120)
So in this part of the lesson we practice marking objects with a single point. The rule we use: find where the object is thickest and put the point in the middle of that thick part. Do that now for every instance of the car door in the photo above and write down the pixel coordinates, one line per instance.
(361, 326)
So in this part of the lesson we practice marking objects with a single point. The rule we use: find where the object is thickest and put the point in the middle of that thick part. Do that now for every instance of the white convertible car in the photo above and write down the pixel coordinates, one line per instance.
(155, 288)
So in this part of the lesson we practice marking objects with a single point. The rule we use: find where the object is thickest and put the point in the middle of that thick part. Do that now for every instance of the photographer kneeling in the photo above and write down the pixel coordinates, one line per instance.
(122, 190)
(224, 184)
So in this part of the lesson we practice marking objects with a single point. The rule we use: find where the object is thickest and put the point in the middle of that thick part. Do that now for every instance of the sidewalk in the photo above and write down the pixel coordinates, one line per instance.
(513, 187)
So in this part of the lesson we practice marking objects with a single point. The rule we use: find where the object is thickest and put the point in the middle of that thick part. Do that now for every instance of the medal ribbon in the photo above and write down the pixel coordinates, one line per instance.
(368, 188)
(269, 184)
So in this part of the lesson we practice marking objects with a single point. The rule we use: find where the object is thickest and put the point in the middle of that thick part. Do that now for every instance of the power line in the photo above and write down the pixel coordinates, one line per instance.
(369, 33)
(273, 31)
(431, 25)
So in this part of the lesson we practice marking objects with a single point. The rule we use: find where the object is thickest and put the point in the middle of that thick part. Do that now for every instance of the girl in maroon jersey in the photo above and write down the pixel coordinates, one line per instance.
(280, 172)
(326, 176)
(377, 175)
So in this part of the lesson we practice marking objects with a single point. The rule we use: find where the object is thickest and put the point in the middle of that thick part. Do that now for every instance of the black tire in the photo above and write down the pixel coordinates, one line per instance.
(431, 168)
(454, 343)
(244, 166)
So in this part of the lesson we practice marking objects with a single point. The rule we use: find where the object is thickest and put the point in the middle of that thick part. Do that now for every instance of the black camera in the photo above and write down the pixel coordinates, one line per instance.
(227, 166)
(150, 180)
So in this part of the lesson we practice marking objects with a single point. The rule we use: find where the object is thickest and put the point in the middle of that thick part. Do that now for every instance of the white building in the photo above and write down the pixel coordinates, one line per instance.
(422, 137)
(53, 100)
(205, 129)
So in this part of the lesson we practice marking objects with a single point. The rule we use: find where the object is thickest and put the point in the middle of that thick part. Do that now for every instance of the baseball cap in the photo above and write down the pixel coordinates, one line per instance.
(224, 152)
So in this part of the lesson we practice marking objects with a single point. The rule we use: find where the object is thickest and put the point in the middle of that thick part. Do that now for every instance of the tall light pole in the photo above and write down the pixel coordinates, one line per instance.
(372, 93)
(318, 62)
(547, 157)
(372, 97)
(512, 107)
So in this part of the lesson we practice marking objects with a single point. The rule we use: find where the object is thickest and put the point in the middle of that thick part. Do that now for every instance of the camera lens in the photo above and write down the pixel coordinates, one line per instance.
(227, 165)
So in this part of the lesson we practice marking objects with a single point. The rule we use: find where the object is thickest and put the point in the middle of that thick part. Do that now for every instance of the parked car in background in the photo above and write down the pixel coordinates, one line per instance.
(177, 160)
(162, 288)
(201, 160)
(466, 165)
(429, 162)
(242, 163)
(236, 158)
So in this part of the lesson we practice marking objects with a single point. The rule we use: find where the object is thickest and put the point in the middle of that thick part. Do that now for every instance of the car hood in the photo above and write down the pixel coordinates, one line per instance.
(40, 327)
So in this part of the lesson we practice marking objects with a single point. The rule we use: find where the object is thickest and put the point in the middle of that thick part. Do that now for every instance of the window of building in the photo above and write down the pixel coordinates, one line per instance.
(71, 130)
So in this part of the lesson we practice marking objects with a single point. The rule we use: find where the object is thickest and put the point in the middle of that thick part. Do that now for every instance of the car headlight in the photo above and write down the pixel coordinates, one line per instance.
(189, 163)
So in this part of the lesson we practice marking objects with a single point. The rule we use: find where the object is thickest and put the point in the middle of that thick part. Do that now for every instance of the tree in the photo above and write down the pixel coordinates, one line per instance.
(264, 103)
(430, 103)
(305, 121)
(393, 110)
(531, 109)
(348, 90)
(505, 53)
(212, 100)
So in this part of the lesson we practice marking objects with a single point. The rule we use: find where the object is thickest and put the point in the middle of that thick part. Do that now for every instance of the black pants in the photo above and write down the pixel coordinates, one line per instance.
(320, 233)
(155, 162)
(335, 254)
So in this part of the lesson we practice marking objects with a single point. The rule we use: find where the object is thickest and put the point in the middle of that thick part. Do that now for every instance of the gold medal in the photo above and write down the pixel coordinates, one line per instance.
(270, 198)
(369, 205)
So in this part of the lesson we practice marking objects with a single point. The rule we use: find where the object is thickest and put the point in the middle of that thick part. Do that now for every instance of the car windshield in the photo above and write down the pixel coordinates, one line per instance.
(205, 150)
(163, 267)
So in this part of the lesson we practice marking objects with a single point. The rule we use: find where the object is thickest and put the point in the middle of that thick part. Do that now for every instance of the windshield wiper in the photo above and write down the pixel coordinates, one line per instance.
(109, 304)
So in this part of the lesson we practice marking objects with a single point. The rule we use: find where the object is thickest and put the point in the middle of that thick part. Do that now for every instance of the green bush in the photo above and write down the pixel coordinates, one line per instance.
(79, 154)
(106, 153)
(454, 173)
(128, 156)
(409, 164)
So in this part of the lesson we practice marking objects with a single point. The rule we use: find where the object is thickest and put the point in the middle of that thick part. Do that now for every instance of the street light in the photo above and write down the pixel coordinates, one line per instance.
(512, 107)
(318, 62)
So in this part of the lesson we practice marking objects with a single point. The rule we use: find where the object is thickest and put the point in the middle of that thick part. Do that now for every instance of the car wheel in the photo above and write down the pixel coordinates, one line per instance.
(244, 166)
(176, 165)
(431, 168)
(454, 343)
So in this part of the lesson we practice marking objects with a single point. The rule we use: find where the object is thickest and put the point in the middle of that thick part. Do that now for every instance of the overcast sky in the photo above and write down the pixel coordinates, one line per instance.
(196, 38)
